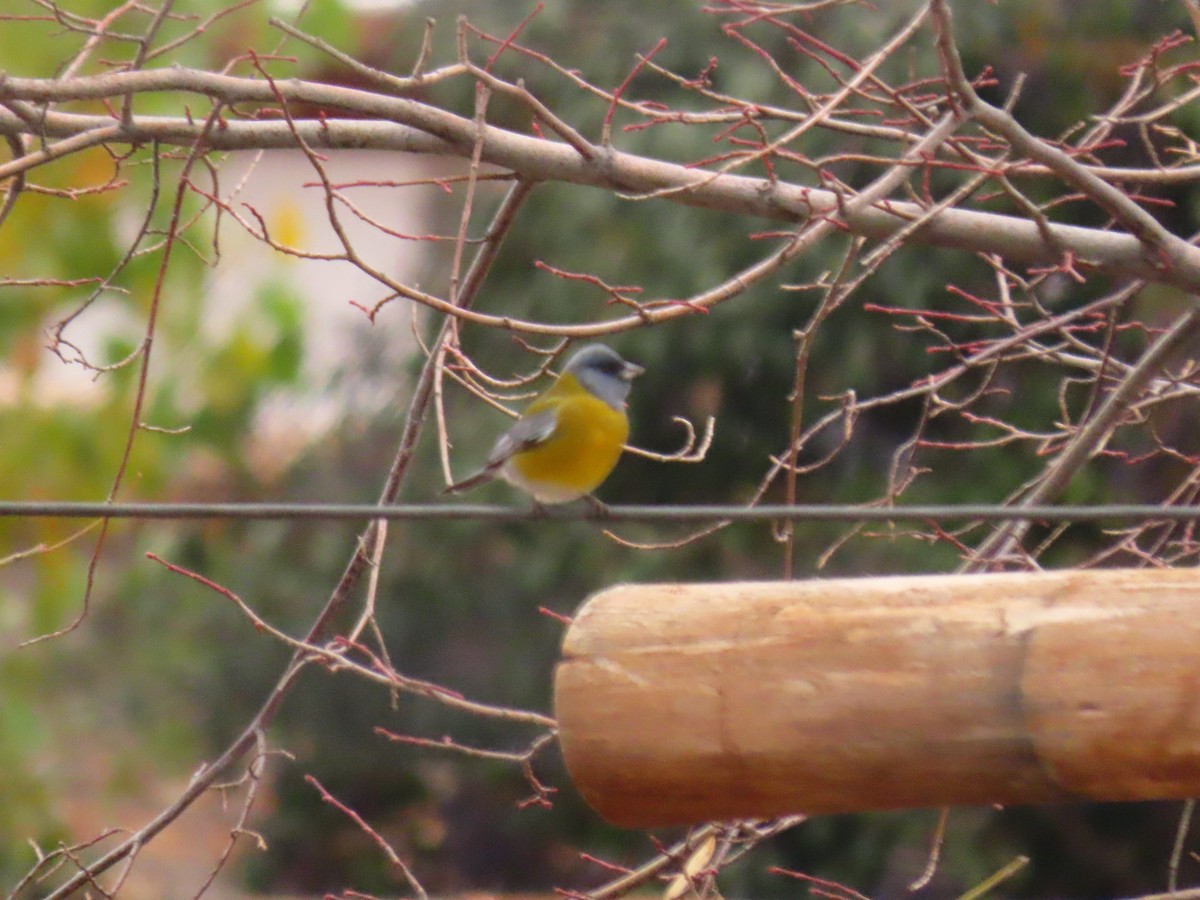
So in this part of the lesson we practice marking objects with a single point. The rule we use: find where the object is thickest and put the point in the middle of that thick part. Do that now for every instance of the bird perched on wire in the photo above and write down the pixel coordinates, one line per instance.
(567, 440)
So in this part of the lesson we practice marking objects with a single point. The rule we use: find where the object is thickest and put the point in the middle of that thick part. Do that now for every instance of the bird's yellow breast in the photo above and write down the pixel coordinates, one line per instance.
(581, 451)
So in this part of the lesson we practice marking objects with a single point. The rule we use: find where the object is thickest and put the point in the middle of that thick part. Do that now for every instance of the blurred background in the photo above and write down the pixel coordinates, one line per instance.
(290, 392)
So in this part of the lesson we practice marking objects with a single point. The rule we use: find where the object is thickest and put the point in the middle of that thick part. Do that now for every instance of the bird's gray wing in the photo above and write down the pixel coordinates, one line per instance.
(529, 431)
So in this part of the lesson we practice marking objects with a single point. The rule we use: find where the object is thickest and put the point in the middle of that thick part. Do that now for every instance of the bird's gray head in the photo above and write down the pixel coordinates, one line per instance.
(603, 372)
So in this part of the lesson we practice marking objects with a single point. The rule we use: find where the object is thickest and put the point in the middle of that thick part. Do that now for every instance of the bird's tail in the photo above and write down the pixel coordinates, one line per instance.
(483, 476)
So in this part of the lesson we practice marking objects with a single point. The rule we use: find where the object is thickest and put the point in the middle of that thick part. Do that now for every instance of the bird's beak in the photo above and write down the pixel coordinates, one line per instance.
(630, 371)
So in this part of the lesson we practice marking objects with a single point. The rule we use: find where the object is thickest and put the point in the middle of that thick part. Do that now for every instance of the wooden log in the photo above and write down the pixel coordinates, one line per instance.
(696, 702)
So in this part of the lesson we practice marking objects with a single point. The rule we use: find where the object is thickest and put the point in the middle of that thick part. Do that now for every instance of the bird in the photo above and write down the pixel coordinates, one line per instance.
(568, 440)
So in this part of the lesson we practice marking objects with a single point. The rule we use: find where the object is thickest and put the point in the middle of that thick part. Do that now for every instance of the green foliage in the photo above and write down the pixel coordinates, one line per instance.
(28, 748)
(69, 443)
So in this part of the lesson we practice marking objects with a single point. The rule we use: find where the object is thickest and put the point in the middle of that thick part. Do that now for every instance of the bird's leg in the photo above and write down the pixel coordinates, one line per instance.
(599, 507)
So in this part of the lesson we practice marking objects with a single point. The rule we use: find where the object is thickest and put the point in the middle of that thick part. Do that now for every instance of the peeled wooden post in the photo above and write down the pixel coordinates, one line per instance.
(698, 702)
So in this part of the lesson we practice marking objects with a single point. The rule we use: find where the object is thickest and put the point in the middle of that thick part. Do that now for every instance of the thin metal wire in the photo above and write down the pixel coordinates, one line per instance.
(588, 512)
